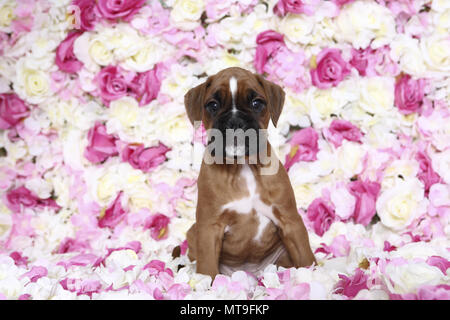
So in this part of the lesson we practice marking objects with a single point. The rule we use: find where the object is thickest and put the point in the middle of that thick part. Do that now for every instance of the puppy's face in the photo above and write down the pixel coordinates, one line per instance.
(235, 102)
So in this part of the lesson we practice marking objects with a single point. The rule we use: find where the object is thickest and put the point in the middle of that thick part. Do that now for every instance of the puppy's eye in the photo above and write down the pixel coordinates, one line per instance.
(212, 106)
(258, 104)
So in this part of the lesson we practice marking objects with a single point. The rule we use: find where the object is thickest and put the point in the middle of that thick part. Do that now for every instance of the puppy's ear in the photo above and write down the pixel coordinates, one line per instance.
(275, 94)
(193, 102)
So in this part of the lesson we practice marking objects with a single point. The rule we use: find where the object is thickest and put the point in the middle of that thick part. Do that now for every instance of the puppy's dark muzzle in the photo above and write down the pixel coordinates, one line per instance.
(237, 135)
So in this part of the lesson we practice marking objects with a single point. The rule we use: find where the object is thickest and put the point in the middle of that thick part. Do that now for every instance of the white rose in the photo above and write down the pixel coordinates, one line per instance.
(31, 84)
(361, 22)
(323, 103)
(410, 276)
(100, 53)
(441, 164)
(349, 159)
(82, 51)
(186, 14)
(6, 15)
(149, 53)
(436, 52)
(398, 206)
(407, 51)
(5, 222)
(442, 22)
(123, 113)
(440, 5)
(239, 32)
(377, 95)
(40, 187)
(297, 27)
(405, 168)
(305, 193)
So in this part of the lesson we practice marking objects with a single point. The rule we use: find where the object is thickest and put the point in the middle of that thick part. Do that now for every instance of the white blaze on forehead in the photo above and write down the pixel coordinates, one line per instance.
(233, 90)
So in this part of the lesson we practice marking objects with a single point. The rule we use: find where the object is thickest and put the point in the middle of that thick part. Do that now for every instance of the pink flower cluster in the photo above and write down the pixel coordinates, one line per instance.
(102, 145)
(321, 212)
(114, 83)
(21, 197)
(280, 63)
(89, 12)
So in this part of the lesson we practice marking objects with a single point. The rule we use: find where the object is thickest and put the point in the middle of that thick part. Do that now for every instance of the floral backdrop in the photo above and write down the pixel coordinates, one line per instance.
(97, 164)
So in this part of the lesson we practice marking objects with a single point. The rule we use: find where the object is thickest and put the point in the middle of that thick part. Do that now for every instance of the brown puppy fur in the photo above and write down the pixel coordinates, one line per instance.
(226, 237)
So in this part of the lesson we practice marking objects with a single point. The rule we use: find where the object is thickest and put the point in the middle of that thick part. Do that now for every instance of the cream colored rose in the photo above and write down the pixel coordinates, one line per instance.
(6, 15)
(407, 51)
(405, 168)
(440, 5)
(5, 221)
(349, 159)
(297, 27)
(148, 54)
(125, 111)
(408, 277)
(442, 22)
(100, 53)
(436, 52)
(377, 95)
(361, 22)
(398, 206)
(32, 84)
(186, 14)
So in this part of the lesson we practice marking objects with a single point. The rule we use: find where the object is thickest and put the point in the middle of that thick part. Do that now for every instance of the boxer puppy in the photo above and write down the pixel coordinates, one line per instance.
(245, 219)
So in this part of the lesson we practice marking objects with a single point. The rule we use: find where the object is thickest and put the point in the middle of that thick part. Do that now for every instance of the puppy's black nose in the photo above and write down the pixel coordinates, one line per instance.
(236, 123)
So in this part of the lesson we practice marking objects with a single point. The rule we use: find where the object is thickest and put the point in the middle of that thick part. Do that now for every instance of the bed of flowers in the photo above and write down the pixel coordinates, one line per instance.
(98, 161)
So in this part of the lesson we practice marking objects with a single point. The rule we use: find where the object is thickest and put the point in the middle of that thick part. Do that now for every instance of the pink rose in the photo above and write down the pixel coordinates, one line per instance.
(72, 245)
(101, 145)
(145, 86)
(304, 147)
(360, 60)
(268, 42)
(12, 110)
(295, 6)
(350, 286)
(409, 94)
(331, 69)
(156, 267)
(158, 224)
(341, 3)
(23, 197)
(114, 214)
(340, 130)
(366, 194)
(88, 15)
(426, 173)
(115, 9)
(35, 273)
(321, 214)
(112, 83)
(143, 158)
(430, 292)
(439, 262)
(19, 260)
(65, 58)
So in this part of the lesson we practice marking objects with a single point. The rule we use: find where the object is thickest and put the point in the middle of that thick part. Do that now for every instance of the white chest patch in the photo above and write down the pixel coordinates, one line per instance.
(233, 90)
(253, 201)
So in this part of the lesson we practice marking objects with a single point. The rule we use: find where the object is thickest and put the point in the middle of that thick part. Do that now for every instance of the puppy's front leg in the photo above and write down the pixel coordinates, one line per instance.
(294, 236)
(209, 245)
